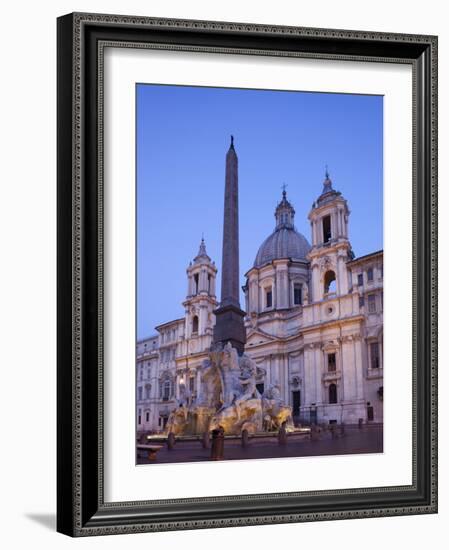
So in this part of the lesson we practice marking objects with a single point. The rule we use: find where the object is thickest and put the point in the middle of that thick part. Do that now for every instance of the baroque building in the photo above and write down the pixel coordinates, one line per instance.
(168, 363)
(314, 324)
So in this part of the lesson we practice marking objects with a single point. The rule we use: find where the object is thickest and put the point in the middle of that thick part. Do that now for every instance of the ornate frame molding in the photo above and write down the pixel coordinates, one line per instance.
(81, 40)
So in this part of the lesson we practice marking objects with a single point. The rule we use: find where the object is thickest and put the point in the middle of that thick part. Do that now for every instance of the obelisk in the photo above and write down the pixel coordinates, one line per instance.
(229, 325)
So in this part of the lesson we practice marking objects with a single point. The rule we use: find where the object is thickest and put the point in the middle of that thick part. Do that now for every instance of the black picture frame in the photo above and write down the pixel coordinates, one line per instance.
(81, 509)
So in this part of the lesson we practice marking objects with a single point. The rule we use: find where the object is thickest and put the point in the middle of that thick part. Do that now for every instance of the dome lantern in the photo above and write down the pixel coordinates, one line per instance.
(284, 213)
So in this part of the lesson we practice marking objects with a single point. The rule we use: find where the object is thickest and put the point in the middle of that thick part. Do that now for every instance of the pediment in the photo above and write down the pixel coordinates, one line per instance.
(256, 337)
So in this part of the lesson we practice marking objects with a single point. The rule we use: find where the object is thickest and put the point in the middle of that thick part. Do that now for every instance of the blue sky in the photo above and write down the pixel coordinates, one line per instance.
(183, 134)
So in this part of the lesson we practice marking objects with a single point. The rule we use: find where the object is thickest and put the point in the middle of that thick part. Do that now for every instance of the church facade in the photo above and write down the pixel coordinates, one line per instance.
(314, 324)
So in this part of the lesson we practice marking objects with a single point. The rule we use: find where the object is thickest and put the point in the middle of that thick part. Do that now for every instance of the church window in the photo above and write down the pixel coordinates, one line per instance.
(374, 355)
(147, 391)
(327, 234)
(331, 362)
(139, 417)
(195, 324)
(333, 394)
(329, 283)
(192, 384)
(147, 416)
(269, 297)
(360, 279)
(166, 390)
(370, 274)
(196, 279)
(361, 301)
(297, 294)
(208, 284)
(139, 394)
(371, 303)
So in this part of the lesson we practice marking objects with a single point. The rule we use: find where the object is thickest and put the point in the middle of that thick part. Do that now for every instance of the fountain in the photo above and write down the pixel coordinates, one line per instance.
(227, 395)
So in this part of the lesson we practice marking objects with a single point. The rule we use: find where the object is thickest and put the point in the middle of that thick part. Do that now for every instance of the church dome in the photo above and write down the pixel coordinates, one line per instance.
(285, 241)
(282, 243)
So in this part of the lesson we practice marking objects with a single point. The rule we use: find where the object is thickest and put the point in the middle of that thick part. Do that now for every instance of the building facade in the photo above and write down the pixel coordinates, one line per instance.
(168, 363)
(314, 324)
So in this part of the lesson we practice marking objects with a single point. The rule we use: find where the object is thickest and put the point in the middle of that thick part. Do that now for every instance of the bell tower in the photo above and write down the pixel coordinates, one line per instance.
(200, 300)
(331, 248)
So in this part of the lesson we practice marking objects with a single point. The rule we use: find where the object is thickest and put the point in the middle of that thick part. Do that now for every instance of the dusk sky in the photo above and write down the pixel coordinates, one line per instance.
(183, 134)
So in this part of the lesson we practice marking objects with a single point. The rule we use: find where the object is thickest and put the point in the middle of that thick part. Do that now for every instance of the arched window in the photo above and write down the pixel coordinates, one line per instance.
(330, 285)
(327, 233)
(333, 393)
(195, 324)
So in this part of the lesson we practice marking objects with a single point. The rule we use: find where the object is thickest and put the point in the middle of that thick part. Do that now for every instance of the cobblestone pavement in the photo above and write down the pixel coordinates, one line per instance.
(354, 441)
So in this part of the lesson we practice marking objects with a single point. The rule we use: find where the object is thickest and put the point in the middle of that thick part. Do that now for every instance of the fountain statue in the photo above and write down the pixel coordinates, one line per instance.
(228, 397)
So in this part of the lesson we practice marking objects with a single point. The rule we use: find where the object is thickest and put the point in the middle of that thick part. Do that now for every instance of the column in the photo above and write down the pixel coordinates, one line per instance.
(334, 224)
(212, 284)
(202, 286)
(342, 276)
(316, 284)
(284, 377)
(189, 284)
(309, 375)
(358, 367)
(201, 319)
(318, 374)
(348, 371)
(277, 299)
